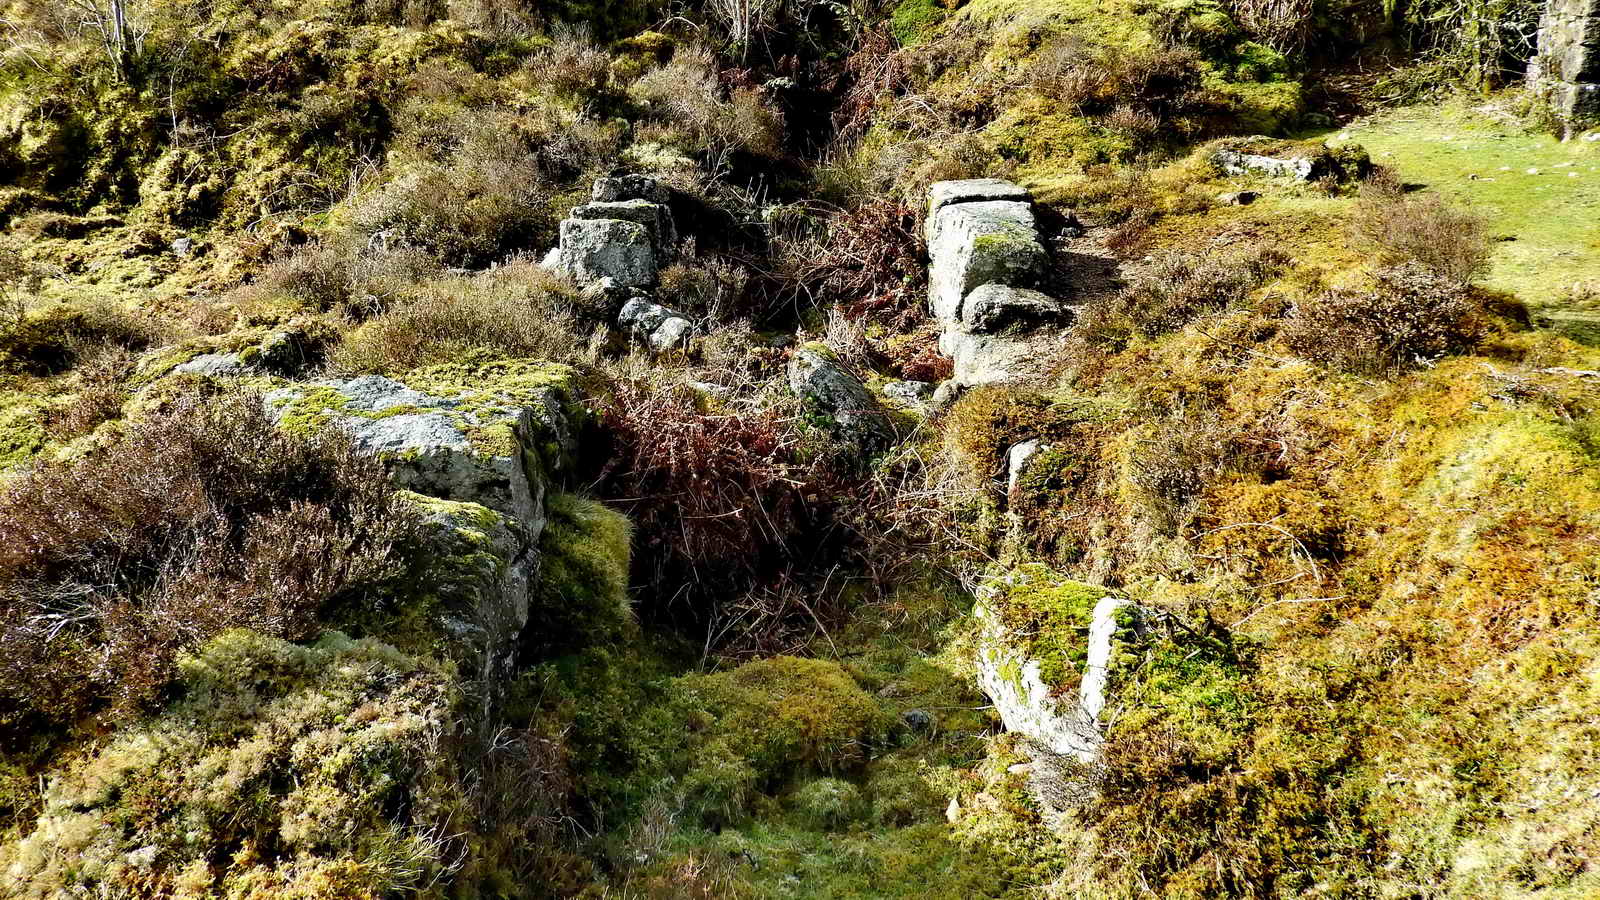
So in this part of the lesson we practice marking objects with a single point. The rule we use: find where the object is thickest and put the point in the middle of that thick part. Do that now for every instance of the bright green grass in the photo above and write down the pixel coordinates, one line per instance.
(1549, 222)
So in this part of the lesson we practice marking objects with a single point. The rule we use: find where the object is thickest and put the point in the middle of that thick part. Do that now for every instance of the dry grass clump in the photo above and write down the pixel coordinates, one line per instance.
(518, 310)
(1173, 468)
(99, 394)
(689, 106)
(56, 338)
(204, 518)
(1174, 289)
(1425, 228)
(1410, 316)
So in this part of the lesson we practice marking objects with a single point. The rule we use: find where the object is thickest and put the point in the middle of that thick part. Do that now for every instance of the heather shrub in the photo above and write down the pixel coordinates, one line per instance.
(487, 197)
(203, 518)
(1174, 466)
(99, 392)
(1452, 241)
(1175, 288)
(56, 338)
(518, 310)
(690, 108)
(1409, 316)
(718, 497)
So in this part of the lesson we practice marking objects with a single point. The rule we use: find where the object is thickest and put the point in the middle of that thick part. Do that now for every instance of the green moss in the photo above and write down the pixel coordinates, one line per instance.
(325, 753)
(1050, 615)
(582, 590)
(22, 435)
(912, 21)
(828, 804)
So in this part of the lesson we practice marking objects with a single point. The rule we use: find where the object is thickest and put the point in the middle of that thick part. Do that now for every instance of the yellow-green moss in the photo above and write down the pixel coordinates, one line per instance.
(582, 589)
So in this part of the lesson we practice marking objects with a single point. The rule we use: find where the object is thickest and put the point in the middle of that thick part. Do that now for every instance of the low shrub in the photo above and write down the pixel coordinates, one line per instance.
(98, 395)
(690, 108)
(1411, 315)
(1175, 288)
(56, 338)
(203, 518)
(716, 496)
(1452, 241)
(1173, 468)
(518, 310)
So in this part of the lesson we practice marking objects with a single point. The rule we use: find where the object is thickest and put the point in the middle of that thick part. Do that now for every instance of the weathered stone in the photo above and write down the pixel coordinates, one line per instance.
(653, 216)
(599, 249)
(856, 415)
(182, 247)
(1565, 70)
(993, 307)
(1017, 459)
(917, 719)
(916, 395)
(629, 187)
(973, 244)
(471, 585)
(1068, 725)
(215, 365)
(1237, 198)
(487, 442)
(946, 394)
(661, 329)
(986, 358)
(1234, 162)
(672, 336)
(971, 190)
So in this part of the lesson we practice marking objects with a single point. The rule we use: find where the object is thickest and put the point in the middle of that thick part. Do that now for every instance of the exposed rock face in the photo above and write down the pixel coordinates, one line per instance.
(856, 415)
(976, 243)
(1064, 724)
(615, 250)
(993, 307)
(1566, 69)
(479, 448)
(1017, 459)
(985, 252)
(661, 329)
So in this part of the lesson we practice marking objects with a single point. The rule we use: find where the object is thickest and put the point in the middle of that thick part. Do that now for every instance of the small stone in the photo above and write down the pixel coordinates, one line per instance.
(917, 719)
(1017, 459)
(1533, 171)
(1237, 198)
(915, 394)
(946, 394)
(831, 390)
(182, 247)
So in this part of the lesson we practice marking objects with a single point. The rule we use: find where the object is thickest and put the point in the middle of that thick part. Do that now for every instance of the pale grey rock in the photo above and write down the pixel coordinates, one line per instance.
(596, 249)
(987, 358)
(1234, 162)
(856, 415)
(215, 365)
(672, 336)
(426, 441)
(946, 394)
(993, 307)
(1017, 459)
(1565, 70)
(1066, 725)
(916, 395)
(973, 244)
(653, 216)
(1237, 198)
(661, 329)
(971, 190)
(182, 247)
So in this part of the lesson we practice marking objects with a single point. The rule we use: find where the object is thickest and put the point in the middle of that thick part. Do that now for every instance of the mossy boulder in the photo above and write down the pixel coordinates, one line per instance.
(283, 770)
(1043, 652)
(496, 433)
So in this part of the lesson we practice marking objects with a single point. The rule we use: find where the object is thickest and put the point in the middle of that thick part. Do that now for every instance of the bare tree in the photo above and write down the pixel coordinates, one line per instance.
(122, 37)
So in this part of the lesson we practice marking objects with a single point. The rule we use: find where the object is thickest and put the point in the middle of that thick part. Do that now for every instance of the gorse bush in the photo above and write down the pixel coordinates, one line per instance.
(1424, 228)
(1409, 316)
(204, 518)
